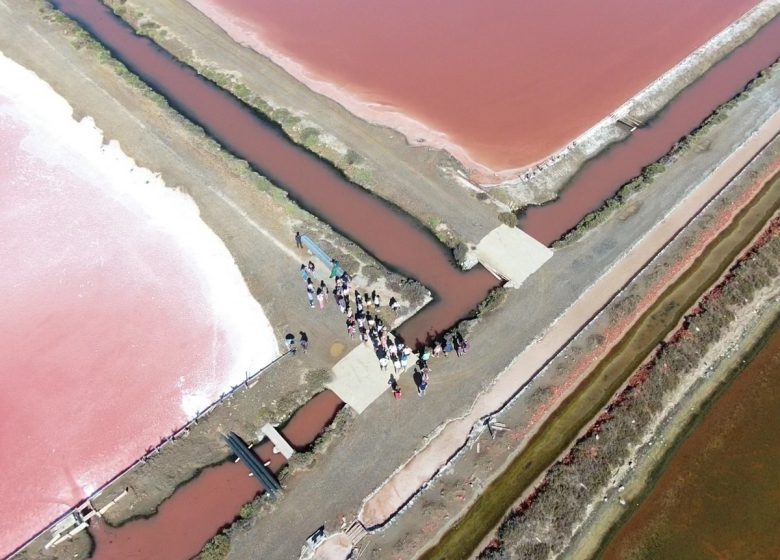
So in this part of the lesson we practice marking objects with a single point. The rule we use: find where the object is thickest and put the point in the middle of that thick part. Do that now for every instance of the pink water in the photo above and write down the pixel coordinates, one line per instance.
(501, 84)
(108, 328)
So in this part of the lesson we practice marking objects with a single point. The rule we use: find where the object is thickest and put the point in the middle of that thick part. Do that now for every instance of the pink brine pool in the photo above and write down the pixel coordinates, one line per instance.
(121, 313)
(500, 84)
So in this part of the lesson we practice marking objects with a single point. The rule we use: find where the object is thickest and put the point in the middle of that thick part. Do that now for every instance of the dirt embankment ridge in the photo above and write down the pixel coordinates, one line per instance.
(421, 181)
(384, 154)
(685, 368)
(542, 182)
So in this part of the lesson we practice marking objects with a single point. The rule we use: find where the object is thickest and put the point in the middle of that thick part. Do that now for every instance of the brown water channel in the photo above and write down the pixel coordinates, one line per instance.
(390, 236)
(212, 500)
(186, 521)
(718, 497)
(603, 176)
(558, 432)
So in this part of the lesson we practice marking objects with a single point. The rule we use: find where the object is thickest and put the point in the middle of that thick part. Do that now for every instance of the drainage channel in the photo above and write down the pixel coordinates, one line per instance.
(386, 233)
(603, 176)
(557, 433)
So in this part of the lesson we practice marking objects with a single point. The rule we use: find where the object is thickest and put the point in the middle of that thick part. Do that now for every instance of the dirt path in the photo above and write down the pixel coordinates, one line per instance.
(346, 475)
(354, 467)
(256, 226)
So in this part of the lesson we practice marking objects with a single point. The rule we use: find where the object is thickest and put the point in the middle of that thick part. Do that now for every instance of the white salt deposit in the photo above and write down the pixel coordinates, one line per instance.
(57, 138)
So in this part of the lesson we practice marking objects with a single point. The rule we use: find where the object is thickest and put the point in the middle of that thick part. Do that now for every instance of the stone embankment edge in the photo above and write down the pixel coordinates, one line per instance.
(649, 172)
(543, 182)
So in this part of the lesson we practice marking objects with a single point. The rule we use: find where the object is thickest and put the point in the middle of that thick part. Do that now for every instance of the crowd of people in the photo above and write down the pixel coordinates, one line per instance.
(363, 321)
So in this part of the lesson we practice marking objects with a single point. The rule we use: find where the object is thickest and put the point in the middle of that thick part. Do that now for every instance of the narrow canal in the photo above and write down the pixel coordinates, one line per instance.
(213, 499)
(389, 235)
(603, 176)
(558, 432)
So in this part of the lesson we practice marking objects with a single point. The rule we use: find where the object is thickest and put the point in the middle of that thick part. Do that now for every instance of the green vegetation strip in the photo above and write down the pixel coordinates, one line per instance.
(648, 174)
(557, 433)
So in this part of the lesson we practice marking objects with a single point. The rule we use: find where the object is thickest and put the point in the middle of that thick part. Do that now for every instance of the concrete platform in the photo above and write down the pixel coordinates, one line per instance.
(280, 444)
(511, 254)
(357, 379)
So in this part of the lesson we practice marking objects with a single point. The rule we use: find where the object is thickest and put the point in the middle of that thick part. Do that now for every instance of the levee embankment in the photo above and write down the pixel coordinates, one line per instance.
(592, 465)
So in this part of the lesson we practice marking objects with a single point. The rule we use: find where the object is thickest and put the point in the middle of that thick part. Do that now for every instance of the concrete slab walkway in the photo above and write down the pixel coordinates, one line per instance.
(512, 254)
(358, 380)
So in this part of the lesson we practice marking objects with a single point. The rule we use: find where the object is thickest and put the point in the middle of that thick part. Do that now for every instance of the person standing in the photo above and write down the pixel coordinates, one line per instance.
(321, 298)
(311, 268)
(289, 342)
(394, 305)
(423, 386)
(304, 273)
(304, 341)
(298, 240)
(324, 288)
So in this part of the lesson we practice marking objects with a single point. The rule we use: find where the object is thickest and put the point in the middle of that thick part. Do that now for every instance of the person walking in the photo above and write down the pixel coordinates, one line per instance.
(334, 269)
(304, 341)
(351, 327)
(324, 288)
(298, 240)
(311, 268)
(304, 273)
(436, 349)
(320, 298)
(310, 292)
(376, 301)
(394, 305)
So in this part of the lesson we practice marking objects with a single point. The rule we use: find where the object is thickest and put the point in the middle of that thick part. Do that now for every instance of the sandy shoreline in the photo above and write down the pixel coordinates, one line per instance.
(643, 103)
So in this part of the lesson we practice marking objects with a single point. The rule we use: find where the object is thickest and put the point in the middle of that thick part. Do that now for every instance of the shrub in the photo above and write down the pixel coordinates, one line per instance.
(508, 218)
(216, 549)
(460, 252)
(352, 157)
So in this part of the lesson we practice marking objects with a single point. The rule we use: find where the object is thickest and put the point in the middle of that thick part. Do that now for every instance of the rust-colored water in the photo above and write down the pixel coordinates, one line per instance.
(602, 177)
(718, 497)
(506, 82)
(388, 235)
(187, 520)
